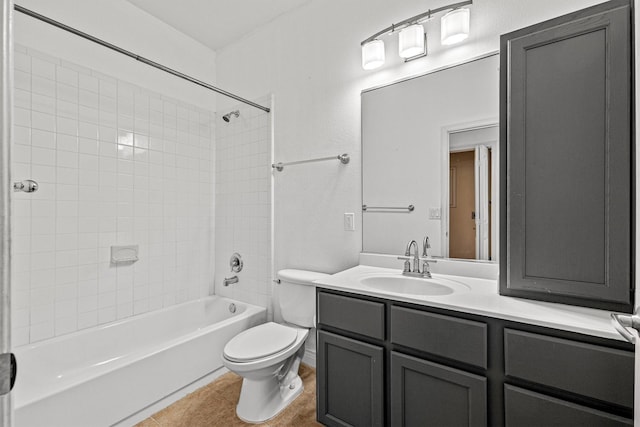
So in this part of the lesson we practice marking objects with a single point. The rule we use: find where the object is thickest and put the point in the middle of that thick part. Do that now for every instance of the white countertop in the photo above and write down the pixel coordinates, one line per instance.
(482, 298)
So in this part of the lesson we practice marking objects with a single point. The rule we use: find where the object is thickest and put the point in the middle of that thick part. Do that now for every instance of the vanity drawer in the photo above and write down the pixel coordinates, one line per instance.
(351, 314)
(527, 408)
(586, 369)
(457, 339)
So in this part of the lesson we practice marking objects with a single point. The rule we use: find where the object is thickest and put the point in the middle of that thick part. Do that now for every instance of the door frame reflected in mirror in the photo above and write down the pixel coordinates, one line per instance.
(447, 149)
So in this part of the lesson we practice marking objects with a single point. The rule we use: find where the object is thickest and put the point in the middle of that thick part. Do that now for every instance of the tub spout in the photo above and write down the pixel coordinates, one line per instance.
(231, 280)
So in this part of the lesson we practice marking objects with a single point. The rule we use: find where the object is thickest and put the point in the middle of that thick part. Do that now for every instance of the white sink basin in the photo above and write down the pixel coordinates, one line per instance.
(397, 284)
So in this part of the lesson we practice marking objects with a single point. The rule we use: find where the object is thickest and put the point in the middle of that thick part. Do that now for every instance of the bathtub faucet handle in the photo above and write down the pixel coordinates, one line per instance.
(236, 263)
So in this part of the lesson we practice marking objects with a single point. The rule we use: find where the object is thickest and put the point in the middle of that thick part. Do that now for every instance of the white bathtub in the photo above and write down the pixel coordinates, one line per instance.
(103, 375)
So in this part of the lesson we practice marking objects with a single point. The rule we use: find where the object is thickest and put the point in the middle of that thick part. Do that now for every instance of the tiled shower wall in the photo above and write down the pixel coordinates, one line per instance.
(116, 164)
(243, 203)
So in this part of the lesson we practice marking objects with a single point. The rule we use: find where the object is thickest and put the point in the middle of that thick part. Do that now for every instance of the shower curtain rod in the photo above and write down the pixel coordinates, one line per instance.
(136, 57)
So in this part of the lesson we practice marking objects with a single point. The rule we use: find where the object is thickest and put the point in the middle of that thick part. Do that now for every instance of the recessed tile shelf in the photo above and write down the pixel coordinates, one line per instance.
(123, 254)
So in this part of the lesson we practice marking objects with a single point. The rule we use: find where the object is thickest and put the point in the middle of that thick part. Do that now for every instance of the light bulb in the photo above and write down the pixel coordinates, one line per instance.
(454, 26)
(411, 41)
(372, 54)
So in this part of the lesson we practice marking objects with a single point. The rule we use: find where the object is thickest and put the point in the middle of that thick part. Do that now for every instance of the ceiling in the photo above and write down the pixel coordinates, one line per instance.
(216, 23)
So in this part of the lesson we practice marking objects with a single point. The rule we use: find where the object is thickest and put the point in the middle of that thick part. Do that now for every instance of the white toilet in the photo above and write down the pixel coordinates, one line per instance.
(268, 356)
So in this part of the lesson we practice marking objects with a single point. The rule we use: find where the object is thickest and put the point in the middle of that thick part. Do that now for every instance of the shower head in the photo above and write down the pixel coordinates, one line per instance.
(227, 116)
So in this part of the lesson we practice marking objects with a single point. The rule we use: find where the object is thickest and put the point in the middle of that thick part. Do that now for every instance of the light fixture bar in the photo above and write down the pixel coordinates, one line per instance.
(414, 20)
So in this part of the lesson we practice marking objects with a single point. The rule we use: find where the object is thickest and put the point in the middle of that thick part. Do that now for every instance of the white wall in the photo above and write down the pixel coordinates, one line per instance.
(310, 60)
(120, 23)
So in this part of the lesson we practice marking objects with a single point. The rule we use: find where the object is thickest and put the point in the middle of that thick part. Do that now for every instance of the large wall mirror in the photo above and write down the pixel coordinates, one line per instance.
(430, 162)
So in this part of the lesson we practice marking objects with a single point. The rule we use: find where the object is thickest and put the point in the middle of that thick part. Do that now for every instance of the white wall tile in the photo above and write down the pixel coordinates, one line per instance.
(67, 76)
(243, 218)
(43, 68)
(67, 126)
(21, 117)
(41, 331)
(86, 138)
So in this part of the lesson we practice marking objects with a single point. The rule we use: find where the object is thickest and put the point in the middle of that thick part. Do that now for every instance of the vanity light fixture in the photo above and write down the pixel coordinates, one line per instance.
(412, 39)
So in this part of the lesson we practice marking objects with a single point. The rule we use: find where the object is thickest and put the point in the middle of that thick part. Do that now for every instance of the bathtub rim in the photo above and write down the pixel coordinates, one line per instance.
(133, 356)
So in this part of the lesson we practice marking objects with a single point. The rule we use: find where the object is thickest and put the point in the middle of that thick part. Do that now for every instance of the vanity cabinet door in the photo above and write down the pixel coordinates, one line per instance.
(566, 159)
(350, 382)
(424, 393)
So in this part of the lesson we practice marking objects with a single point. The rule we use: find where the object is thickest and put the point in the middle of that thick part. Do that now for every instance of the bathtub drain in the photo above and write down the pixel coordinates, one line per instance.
(232, 308)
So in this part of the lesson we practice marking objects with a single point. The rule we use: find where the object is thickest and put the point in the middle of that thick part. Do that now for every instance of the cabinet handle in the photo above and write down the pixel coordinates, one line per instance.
(623, 321)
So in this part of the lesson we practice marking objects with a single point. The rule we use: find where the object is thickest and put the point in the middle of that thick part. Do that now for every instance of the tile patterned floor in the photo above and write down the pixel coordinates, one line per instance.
(214, 405)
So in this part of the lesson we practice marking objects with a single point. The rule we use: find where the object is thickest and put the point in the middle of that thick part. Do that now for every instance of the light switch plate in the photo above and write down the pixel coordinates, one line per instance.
(349, 221)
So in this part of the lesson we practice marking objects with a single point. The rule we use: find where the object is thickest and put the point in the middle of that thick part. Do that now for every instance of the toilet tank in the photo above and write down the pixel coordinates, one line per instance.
(297, 296)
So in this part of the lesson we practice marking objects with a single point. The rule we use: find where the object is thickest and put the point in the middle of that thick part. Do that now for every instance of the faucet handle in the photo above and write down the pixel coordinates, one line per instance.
(407, 264)
(425, 246)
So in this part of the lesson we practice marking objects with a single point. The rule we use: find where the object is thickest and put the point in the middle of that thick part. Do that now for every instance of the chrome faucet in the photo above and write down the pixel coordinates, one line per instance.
(426, 273)
(416, 257)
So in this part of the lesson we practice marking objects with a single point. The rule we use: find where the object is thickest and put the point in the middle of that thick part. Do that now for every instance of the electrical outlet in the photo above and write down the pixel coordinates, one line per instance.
(349, 222)
(434, 213)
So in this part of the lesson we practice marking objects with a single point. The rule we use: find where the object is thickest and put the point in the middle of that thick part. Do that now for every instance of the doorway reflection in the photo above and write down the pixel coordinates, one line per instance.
(471, 219)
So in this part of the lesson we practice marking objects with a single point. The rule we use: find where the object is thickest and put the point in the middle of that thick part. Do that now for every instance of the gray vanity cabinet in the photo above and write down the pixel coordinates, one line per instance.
(351, 387)
(389, 363)
(371, 369)
(566, 159)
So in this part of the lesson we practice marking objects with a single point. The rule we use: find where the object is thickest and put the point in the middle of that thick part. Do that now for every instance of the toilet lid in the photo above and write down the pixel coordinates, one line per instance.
(260, 341)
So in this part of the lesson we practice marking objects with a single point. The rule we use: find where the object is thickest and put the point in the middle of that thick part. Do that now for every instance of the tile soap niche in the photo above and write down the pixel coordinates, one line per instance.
(124, 254)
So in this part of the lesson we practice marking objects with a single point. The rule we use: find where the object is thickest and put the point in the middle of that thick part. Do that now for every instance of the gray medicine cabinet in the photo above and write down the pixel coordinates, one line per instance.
(566, 164)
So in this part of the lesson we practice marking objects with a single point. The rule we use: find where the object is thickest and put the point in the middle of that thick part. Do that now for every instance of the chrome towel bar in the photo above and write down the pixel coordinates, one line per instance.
(409, 208)
(344, 159)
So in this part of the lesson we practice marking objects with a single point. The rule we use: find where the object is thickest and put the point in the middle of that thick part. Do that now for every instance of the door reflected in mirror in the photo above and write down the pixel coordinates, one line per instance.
(462, 215)
(472, 187)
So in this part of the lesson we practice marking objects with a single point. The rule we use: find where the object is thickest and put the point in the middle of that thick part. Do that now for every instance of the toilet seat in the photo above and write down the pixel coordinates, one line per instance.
(259, 342)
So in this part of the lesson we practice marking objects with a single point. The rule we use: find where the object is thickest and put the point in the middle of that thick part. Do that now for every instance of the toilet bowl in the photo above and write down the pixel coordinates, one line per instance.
(268, 356)
(268, 385)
